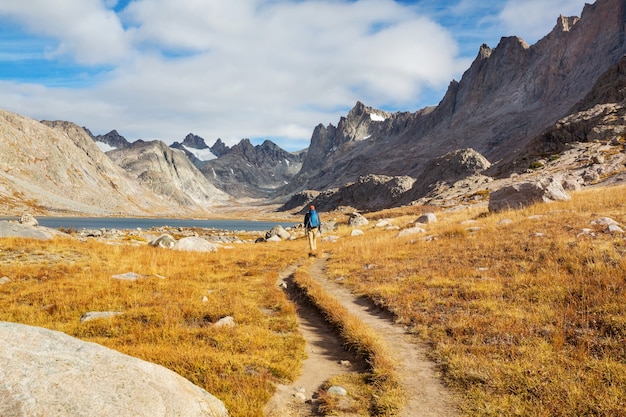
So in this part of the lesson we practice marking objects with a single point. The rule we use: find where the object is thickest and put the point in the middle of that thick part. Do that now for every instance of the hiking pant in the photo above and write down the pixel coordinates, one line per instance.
(311, 234)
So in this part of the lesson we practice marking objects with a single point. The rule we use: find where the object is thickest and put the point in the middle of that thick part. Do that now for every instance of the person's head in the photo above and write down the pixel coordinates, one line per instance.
(311, 207)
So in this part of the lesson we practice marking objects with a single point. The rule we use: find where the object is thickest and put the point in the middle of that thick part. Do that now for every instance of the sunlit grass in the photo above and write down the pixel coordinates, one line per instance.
(526, 318)
(168, 314)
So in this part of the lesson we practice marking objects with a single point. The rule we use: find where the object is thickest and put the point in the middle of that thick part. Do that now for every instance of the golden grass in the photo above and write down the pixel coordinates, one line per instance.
(525, 319)
(383, 397)
(165, 319)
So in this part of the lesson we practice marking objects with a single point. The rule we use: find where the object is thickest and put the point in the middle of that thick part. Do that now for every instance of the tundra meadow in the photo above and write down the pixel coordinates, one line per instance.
(524, 311)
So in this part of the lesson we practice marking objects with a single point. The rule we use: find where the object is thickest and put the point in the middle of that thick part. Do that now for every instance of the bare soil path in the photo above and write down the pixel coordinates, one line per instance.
(426, 394)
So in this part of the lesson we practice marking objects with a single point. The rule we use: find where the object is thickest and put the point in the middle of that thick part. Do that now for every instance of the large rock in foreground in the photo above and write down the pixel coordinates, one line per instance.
(48, 373)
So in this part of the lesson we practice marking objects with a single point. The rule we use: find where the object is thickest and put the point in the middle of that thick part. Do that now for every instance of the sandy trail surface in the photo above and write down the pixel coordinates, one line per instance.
(426, 394)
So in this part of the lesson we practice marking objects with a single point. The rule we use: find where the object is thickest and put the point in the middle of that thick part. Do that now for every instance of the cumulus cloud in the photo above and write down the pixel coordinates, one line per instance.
(86, 30)
(533, 19)
(248, 68)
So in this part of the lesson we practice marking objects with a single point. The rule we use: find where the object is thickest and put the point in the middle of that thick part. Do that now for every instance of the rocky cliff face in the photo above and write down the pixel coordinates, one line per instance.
(245, 170)
(168, 173)
(508, 96)
(55, 167)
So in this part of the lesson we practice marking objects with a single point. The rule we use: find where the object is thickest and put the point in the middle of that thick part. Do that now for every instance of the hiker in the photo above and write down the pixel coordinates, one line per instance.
(313, 227)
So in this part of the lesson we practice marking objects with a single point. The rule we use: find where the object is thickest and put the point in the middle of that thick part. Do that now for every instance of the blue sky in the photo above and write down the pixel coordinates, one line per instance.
(258, 69)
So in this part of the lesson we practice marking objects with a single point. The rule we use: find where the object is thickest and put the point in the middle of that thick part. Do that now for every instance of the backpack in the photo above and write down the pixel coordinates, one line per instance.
(314, 219)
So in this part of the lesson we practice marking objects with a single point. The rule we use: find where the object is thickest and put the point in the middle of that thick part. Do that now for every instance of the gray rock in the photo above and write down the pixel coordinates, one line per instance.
(278, 231)
(357, 232)
(615, 229)
(427, 218)
(227, 321)
(338, 391)
(525, 194)
(411, 231)
(15, 229)
(128, 276)
(357, 220)
(5, 280)
(95, 315)
(48, 373)
(194, 244)
(274, 239)
(28, 219)
(163, 241)
(329, 226)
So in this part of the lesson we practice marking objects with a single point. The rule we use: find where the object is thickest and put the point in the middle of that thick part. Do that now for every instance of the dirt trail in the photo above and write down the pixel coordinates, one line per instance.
(326, 357)
(426, 394)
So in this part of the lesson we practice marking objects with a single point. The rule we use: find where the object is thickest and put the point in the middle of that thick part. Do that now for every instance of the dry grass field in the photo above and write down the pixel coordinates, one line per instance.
(524, 312)
(168, 315)
(525, 317)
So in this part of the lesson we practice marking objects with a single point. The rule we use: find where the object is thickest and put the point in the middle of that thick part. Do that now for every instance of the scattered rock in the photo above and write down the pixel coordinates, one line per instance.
(95, 315)
(4, 280)
(28, 220)
(357, 232)
(48, 373)
(278, 231)
(194, 244)
(427, 218)
(128, 276)
(411, 231)
(337, 391)
(357, 220)
(615, 229)
(604, 221)
(274, 239)
(504, 222)
(163, 241)
(382, 223)
(227, 321)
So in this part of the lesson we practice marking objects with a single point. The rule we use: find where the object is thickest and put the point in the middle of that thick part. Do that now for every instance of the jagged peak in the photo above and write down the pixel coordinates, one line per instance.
(565, 23)
(194, 141)
(484, 51)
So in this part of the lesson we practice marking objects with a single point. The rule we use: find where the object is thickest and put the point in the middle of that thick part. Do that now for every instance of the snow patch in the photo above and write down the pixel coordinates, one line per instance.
(202, 154)
(376, 117)
(105, 147)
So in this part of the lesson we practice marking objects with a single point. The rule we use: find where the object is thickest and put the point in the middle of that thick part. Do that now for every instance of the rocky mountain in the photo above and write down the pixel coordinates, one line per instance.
(195, 148)
(168, 173)
(56, 168)
(519, 113)
(109, 141)
(245, 170)
(508, 97)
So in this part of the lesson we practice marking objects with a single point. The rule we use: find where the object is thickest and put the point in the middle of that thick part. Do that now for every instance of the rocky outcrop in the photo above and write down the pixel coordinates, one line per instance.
(527, 193)
(49, 373)
(168, 173)
(369, 193)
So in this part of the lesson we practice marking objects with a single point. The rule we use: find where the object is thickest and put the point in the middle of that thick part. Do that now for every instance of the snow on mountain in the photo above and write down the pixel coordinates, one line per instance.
(105, 147)
(201, 154)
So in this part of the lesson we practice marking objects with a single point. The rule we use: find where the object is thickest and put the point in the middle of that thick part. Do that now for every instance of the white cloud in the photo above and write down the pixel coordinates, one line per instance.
(86, 30)
(533, 19)
(250, 68)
